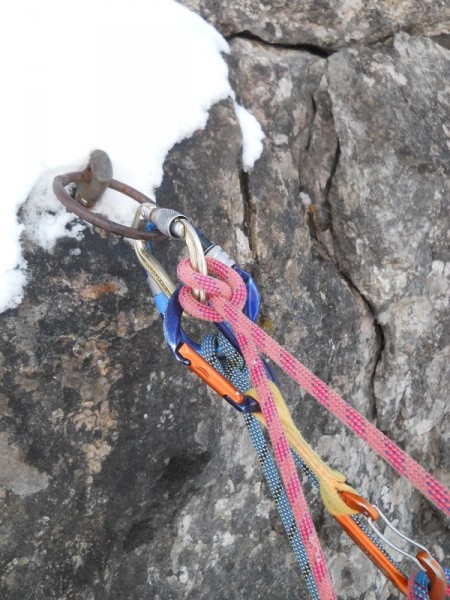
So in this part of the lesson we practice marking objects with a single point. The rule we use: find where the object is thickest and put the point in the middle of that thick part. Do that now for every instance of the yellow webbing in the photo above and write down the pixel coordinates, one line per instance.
(331, 481)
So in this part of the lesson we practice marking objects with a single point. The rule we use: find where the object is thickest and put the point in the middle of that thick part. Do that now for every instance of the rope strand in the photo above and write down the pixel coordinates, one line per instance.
(226, 298)
(221, 293)
(221, 354)
(227, 295)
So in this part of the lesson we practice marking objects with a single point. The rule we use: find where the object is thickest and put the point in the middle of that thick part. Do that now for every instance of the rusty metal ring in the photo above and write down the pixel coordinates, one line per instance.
(61, 181)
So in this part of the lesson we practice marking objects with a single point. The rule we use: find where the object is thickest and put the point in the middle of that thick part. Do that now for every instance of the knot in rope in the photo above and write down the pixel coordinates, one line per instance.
(223, 287)
(226, 298)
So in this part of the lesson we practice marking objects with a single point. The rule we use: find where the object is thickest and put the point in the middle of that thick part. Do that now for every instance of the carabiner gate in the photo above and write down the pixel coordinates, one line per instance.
(423, 559)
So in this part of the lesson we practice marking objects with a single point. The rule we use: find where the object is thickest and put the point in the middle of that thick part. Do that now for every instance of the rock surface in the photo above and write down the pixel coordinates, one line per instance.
(324, 24)
(402, 270)
(121, 477)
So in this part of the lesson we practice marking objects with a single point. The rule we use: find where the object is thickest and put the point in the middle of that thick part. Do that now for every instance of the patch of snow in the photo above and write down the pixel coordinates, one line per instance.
(252, 137)
(132, 78)
(305, 198)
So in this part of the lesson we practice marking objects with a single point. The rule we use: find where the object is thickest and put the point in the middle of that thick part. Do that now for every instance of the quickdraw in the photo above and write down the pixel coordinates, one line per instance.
(228, 361)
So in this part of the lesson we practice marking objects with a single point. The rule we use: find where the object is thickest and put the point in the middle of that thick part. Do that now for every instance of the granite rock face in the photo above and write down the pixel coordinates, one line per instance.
(121, 476)
(324, 24)
(396, 252)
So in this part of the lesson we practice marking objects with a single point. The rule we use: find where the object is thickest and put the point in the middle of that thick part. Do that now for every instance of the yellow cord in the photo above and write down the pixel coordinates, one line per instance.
(331, 481)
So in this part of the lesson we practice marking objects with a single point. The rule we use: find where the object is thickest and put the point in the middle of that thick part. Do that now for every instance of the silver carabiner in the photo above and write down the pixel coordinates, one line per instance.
(175, 225)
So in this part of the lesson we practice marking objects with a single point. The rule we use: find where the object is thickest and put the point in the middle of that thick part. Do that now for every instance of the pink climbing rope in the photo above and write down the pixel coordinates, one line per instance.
(226, 297)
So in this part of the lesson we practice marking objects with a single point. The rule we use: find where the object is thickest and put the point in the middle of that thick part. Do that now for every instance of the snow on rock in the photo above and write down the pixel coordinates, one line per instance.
(132, 78)
(252, 135)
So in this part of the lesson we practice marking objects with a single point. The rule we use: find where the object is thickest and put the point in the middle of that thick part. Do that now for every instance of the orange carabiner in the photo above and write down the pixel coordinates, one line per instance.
(367, 545)
(216, 381)
(438, 584)
(209, 375)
